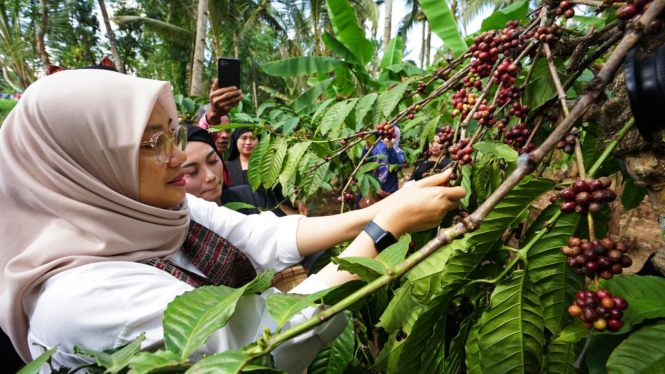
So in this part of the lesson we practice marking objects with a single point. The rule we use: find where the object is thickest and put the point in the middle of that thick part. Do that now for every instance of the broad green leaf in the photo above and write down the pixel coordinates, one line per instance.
(334, 118)
(599, 351)
(443, 23)
(321, 109)
(309, 96)
(497, 20)
(643, 352)
(260, 370)
(388, 99)
(388, 357)
(193, 316)
(227, 362)
(231, 126)
(238, 205)
(573, 332)
(632, 195)
(334, 358)
(293, 157)
(363, 107)
(313, 180)
(34, 366)
(458, 259)
(283, 306)
(393, 53)
(263, 107)
(344, 82)
(512, 336)
(453, 363)
(540, 90)
(472, 349)
(429, 130)
(598, 22)
(485, 177)
(370, 268)
(396, 253)
(339, 48)
(368, 167)
(254, 166)
(407, 69)
(150, 362)
(420, 353)
(561, 356)
(499, 150)
(397, 309)
(553, 279)
(306, 65)
(645, 296)
(188, 105)
(348, 31)
(466, 184)
(272, 161)
(116, 362)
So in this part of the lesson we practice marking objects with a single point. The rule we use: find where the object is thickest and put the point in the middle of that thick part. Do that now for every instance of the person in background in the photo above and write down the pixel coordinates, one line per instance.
(242, 144)
(389, 179)
(427, 164)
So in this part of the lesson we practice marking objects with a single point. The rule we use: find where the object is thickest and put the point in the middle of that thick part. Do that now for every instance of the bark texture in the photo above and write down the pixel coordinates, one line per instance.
(199, 48)
(387, 23)
(111, 35)
(41, 49)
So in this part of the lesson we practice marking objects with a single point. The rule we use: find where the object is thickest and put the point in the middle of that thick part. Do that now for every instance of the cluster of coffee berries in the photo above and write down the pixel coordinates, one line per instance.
(473, 80)
(565, 9)
(484, 114)
(599, 310)
(604, 257)
(461, 152)
(422, 86)
(587, 196)
(413, 109)
(387, 130)
(633, 11)
(549, 34)
(506, 72)
(347, 197)
(446, 137)
(516, 136)
(510, 93)
(462, 103)
(568, 144)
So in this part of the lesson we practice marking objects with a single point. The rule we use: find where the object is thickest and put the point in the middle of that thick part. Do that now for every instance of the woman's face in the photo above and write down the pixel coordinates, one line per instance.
(246, 143)
(203, 171)
(160, 185)
(435, 147)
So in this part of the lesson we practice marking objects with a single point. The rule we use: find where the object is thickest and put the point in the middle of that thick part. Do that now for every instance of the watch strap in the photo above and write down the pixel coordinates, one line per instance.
(382, 238)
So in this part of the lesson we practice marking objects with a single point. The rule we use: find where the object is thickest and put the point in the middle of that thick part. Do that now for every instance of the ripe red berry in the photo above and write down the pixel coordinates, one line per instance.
(567, 207)
(607, 302)
(568, 194)
(614, 324)
(580, 186)
(554, 199)
(590, 268)
(620, 303)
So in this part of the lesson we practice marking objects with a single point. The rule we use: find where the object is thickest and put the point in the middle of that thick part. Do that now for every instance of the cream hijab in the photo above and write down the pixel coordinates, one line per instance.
(69, 185)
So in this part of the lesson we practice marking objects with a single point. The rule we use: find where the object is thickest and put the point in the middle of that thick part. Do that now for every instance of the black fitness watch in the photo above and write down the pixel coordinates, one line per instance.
(382, 238)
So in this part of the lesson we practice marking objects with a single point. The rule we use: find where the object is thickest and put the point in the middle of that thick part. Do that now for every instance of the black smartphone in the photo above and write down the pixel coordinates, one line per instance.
(228, 72)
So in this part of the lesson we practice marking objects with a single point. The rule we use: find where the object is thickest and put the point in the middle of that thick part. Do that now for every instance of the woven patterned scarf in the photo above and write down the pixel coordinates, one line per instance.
(220, 262)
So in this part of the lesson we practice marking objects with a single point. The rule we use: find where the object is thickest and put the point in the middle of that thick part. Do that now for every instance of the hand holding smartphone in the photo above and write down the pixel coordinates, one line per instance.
(228, 72)
(222, 97)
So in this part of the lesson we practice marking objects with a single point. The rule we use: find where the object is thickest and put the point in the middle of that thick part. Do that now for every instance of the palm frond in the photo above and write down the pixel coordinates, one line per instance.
(167, 30)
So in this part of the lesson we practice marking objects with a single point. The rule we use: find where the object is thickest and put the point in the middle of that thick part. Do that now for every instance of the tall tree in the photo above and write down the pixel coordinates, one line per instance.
(199, 48)
(39, 37)
(387, 23)
(111, 36)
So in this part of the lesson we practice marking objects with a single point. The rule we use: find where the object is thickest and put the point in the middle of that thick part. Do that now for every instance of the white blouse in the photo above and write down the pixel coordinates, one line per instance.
(106, 305)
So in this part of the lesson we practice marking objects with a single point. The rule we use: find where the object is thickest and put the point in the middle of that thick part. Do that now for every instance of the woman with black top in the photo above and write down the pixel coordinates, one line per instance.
(241, 146)
(427, 164)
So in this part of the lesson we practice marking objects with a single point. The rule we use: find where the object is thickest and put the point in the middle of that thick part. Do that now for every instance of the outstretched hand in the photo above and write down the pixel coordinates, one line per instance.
(222, 100)
(420, 206)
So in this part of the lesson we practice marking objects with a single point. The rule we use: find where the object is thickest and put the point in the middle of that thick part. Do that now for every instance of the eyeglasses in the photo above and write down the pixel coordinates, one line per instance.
(162, 143)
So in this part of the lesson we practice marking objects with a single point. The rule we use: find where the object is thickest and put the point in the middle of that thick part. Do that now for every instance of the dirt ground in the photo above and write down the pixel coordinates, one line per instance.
(641, 235)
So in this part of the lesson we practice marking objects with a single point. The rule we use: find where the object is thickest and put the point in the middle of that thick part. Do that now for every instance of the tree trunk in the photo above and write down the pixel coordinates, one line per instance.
(256, 98)
(429, 43)
(235, 44)
(422, 47)
(111, 35)
(645, 162)
(387, 24)
(199, 48)
(40, 35)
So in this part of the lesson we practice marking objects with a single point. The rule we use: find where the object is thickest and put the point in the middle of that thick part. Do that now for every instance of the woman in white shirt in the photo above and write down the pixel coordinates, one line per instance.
(98, 236)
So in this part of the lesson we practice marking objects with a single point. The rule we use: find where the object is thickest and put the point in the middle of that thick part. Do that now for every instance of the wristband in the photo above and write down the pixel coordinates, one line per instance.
(382, 238)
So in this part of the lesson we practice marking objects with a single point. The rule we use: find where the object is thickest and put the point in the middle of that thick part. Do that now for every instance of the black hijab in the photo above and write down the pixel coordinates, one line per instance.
(197, 134)
(234, 152)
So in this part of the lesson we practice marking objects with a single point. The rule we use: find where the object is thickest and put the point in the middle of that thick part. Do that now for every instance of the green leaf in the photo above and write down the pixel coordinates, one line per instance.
(512, 337)
(540, 90)
(472, 349)
(363, 107)
(485, 177)
(598, 22)
(283, 306)
(599, 351)
(309, 96)
(561, 357)
(293, 157)
(573, 332)
(388, 357)
(397, 309)
(160, 361)
(334, 358)
(429, 130)
(117, 361)
(254, 166)
(188, 105)
(632, 195)
(238, 205)
(370, 268)
(393, 53)
(348, 30)
(227, 362)
(272, 161)
(34, 366)
(314, 180)
(443, 23)
(645, 296)
(334, 118)
(388, 99)
(466, 184)
(643, 352)
(497, 20)
(368, 167)
(499, 150)
(321, 109)
(306, 65)
(339, 48)
(457, 345)
(193, 316)
(458, 259)
(553, 279)
(407, 69)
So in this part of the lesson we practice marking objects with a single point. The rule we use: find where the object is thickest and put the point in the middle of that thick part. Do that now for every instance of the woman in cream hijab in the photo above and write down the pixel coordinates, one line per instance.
(93, 225)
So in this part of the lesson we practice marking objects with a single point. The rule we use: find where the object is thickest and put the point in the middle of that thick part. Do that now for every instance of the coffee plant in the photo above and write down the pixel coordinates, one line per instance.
(500, 287)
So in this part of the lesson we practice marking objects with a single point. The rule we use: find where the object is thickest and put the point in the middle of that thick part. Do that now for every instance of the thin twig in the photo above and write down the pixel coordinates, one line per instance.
(353, 175)
(631, 213)
(533, 65)
(555, 78)
(541, 119)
